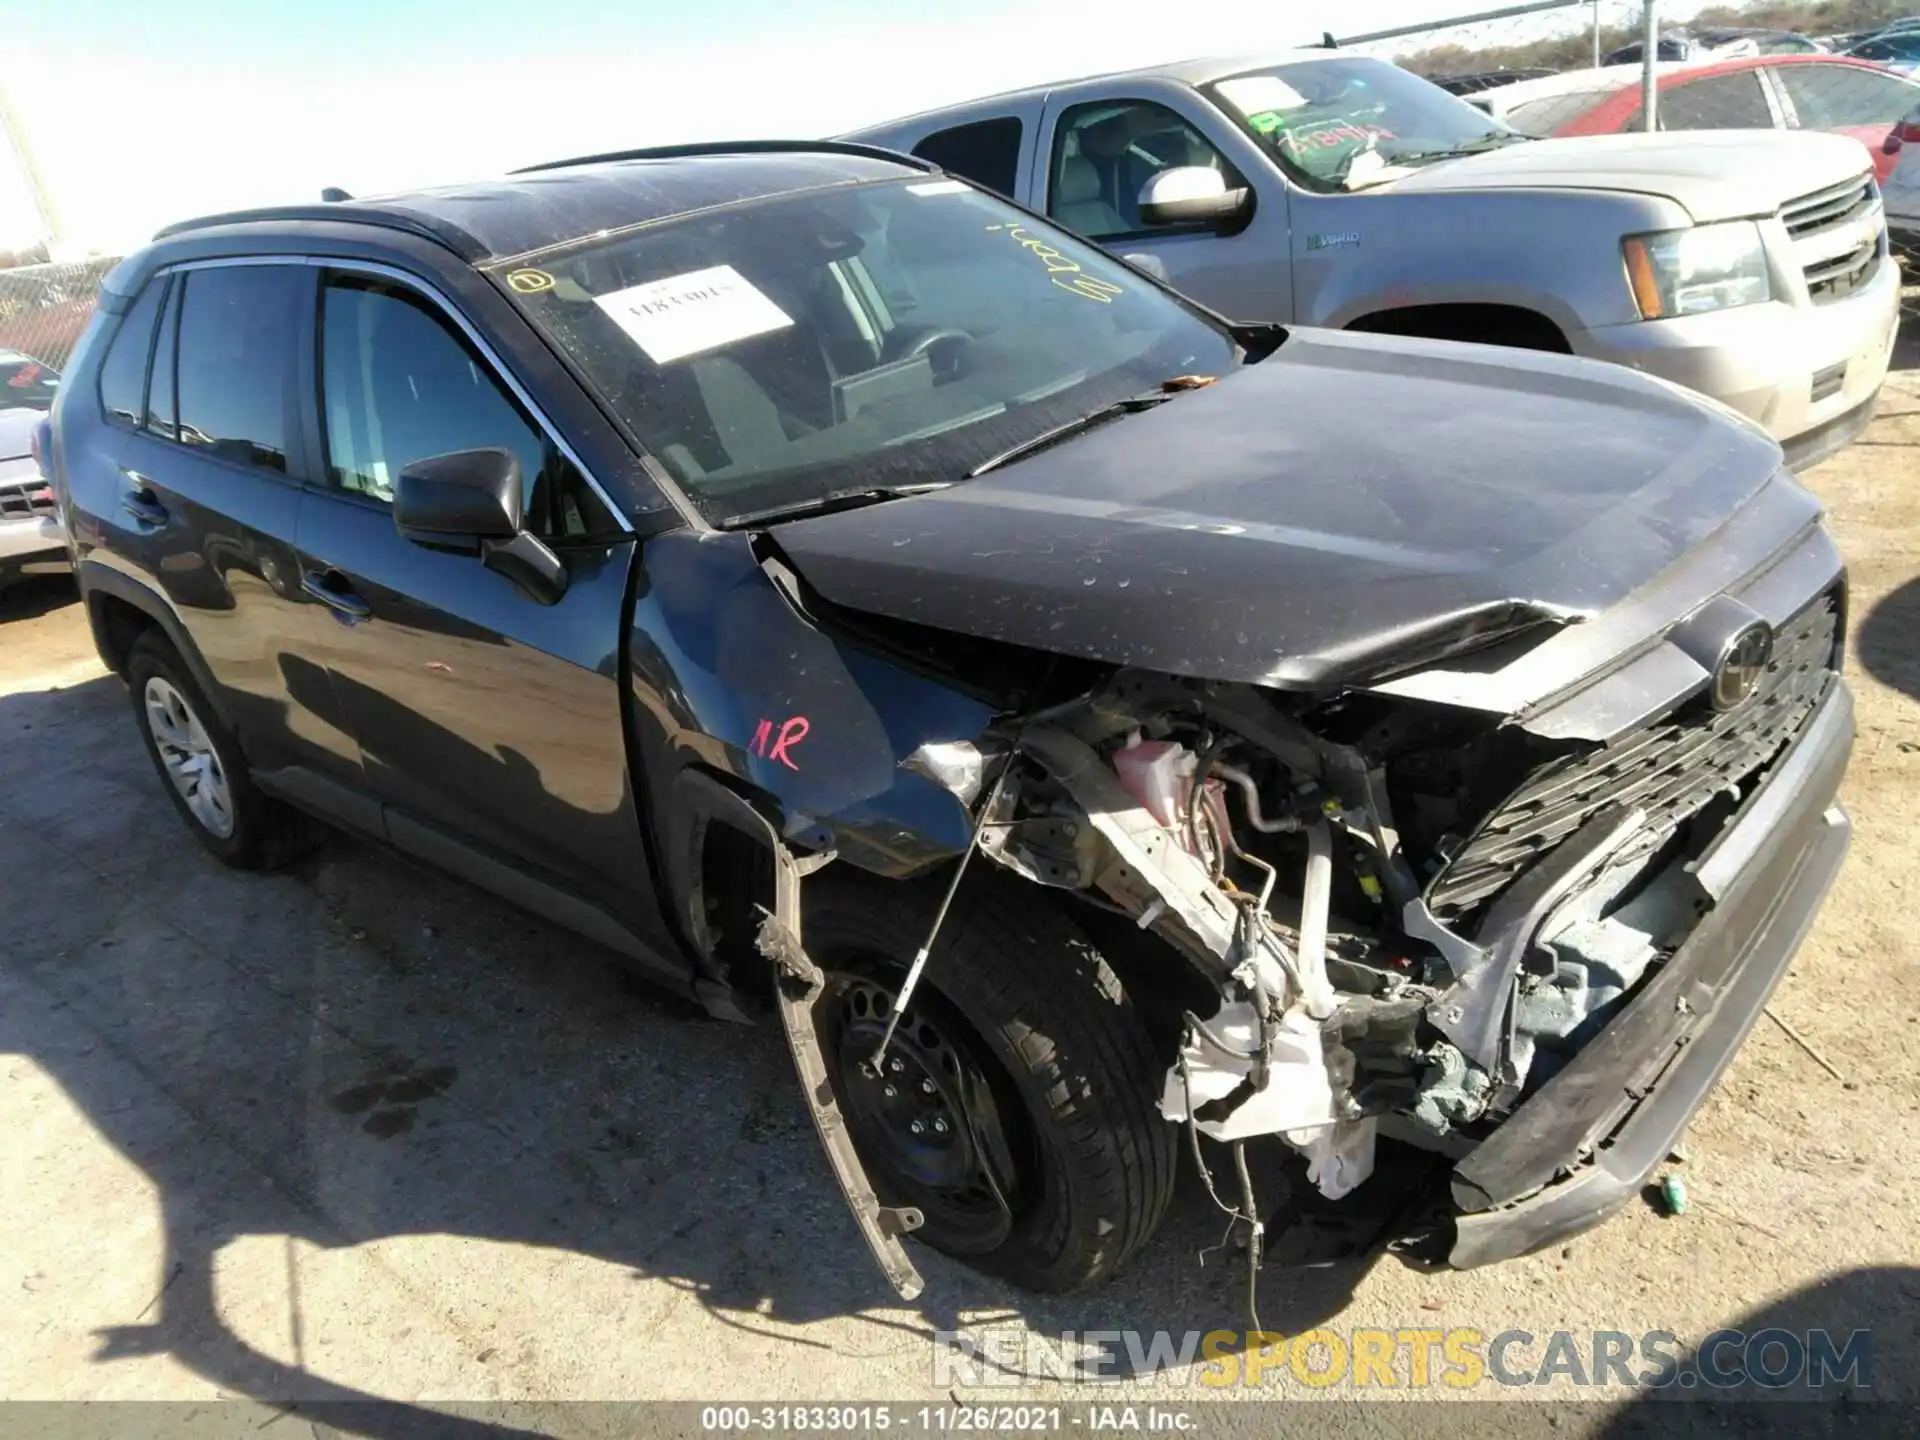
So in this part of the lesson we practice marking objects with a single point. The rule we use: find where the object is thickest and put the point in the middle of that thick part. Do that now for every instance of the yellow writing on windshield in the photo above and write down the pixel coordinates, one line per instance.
(1063, 270)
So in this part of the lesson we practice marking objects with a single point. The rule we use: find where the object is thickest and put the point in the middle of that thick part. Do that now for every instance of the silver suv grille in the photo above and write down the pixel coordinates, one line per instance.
(31, 497)
(1837, 236)
(1670, 768)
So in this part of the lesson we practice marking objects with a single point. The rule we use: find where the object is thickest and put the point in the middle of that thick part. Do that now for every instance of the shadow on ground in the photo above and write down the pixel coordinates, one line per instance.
(1871, 1316)
(1885, 639)
(400, 1055)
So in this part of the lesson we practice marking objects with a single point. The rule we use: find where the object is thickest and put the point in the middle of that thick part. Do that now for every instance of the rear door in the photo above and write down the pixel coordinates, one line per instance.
(209, 485)
(488, 718)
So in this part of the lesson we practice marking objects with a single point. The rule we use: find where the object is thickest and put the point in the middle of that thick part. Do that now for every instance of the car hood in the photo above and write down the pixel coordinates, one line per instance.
(1715, 175)
(1348, 507)
(16, 432)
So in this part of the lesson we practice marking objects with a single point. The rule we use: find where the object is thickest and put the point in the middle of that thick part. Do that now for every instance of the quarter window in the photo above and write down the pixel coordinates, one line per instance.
(987, 152)
(161, 410)
(123, 373)
(400, 385)
(1105, 151)
(235, 357)
(1833, 97)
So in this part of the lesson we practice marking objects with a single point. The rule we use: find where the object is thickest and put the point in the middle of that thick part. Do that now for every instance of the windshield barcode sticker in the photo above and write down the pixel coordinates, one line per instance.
(937, 187)
(689, 314)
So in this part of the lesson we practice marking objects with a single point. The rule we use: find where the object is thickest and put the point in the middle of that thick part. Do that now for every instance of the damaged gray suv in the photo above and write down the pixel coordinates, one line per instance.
(1080, 720)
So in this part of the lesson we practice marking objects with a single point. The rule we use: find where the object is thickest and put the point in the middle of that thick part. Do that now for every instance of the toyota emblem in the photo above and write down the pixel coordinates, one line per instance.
(1741, 665)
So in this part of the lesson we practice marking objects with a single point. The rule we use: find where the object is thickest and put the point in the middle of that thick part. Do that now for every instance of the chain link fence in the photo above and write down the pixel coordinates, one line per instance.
(1598, 67)
(43, 308)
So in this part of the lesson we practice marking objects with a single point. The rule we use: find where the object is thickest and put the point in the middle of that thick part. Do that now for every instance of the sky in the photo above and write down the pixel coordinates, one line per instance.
(140, 112)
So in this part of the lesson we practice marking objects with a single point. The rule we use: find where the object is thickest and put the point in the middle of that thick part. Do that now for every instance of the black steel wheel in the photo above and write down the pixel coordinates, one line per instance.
(1016, 1105)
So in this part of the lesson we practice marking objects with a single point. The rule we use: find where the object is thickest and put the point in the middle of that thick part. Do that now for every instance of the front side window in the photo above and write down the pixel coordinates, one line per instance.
(1833, 97)
(1719, 102)
(1105, 151)
(234, 359)
(987, 152)
(1340, 124)
(123, 372)
(852, 341)
(399, 385)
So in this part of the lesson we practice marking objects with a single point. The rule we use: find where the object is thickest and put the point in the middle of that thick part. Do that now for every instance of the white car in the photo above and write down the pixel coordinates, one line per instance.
(32, 541)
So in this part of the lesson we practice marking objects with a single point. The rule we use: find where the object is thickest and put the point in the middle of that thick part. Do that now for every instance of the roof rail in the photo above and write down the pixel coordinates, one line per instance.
(411, 222)
(739, 147)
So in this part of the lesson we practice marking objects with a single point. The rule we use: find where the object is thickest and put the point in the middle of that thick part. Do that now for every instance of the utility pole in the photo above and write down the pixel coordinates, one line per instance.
(16, 134)
(1649, 60)
(1596, 34)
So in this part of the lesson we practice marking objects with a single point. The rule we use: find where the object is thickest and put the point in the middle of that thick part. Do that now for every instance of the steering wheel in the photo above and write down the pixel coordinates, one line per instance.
(938, 335)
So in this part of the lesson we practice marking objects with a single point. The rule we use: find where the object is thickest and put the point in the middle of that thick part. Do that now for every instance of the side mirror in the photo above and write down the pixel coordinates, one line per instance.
(470, 502)
(1192, 195)
(458, 501)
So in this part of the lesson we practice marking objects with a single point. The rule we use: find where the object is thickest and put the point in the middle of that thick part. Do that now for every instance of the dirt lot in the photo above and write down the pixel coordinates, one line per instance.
(360, 1132)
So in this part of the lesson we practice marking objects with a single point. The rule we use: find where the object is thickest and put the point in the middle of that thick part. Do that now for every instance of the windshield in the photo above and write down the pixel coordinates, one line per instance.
(1334, 124)
(780, 354)
(26, 384)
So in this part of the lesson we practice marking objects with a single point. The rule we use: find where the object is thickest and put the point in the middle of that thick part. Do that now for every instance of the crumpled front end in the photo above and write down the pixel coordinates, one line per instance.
(1405, 914)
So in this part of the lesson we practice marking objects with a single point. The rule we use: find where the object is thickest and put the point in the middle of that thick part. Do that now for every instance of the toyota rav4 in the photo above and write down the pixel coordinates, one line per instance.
(1084, 723)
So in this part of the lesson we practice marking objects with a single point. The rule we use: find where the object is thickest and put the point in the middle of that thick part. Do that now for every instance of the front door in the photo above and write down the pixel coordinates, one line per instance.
(1100, 152)
(486, 716)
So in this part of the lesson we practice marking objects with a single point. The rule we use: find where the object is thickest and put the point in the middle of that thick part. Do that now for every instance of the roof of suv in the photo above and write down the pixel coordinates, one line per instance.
(1201, 70)
(564, 200)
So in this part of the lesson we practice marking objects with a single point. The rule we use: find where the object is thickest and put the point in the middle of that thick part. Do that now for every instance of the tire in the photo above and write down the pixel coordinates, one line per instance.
(1015, 988)
(216, 796)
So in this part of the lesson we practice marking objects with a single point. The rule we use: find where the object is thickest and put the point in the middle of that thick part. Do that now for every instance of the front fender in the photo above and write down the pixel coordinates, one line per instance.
(727, 678)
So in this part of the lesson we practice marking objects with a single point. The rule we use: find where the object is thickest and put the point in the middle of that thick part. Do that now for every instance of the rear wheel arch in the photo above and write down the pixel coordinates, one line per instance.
(1515, 326)
(120, 609)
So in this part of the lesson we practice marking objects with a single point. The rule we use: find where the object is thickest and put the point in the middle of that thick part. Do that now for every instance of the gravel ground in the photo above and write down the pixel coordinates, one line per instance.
(356, 1132)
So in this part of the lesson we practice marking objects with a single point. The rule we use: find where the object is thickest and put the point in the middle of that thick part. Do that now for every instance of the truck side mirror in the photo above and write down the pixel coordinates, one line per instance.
(1193, 195)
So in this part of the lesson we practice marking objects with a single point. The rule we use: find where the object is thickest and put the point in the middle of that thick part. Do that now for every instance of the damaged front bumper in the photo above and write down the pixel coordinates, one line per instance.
(1583, 1145)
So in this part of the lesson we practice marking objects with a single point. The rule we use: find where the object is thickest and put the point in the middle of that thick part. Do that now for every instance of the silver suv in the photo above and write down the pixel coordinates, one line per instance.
(1325, 189)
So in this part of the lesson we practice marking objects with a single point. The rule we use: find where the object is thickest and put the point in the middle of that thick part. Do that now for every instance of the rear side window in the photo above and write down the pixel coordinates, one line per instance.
(400, 385)
(987, 152)
(235, 358)
(1720, 102)
(123, 373)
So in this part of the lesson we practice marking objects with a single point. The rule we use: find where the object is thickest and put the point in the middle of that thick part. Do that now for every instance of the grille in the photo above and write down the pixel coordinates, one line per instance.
(1818, 222)
(31, 497)
(1670, 769)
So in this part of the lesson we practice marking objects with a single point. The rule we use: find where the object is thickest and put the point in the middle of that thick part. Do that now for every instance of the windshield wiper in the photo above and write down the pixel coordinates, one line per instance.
(1495, 141)
(837, 500)
(1131, 405)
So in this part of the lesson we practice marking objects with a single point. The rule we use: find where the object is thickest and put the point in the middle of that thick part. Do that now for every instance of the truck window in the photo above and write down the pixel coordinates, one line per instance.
(1103, 153)
(987, 152)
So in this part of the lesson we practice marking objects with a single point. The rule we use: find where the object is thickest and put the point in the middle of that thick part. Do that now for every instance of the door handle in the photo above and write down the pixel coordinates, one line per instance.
(329, 587)
(140, 502)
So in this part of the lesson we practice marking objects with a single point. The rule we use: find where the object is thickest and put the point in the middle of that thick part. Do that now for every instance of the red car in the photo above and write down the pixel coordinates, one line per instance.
(1758, 92)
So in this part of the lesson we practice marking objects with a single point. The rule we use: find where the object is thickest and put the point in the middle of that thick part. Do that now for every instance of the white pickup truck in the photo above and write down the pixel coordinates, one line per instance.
(1318, 188)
